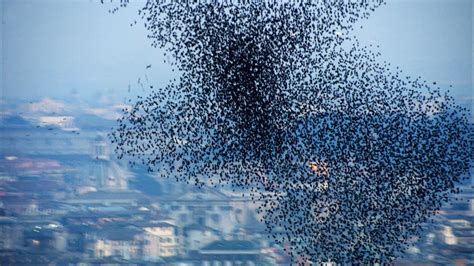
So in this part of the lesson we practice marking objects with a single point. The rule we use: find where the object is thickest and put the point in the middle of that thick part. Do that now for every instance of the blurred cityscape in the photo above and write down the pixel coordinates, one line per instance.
(65, 200)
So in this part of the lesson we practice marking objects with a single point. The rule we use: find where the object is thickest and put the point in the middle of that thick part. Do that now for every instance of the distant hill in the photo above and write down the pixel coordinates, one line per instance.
(93, 122)
(14, 121)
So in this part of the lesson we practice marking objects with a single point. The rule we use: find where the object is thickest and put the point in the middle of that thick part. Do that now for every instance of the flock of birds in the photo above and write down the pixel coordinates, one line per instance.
(346, 156)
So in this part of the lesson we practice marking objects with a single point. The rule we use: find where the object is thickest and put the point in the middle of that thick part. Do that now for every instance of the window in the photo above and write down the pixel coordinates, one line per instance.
(201, 221)
(216, 218)
(183, 217)
(175, 208)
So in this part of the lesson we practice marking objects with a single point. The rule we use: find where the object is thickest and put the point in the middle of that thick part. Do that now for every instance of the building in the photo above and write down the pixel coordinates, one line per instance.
(230, 253)
(205, 207)
(44, 236)
(197, 236)
(109, 198)
(160, 240)
(104, 173)
(119, 242)
(11, 233)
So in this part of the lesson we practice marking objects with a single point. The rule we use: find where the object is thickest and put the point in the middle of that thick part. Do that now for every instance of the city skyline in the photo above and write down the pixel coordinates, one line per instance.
(267, 152)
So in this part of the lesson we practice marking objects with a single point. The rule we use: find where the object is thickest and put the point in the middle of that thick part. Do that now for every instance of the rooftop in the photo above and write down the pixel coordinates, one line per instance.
(231, 245)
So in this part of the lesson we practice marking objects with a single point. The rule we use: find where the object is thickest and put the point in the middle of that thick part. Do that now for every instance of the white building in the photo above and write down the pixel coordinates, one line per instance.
(160, 240)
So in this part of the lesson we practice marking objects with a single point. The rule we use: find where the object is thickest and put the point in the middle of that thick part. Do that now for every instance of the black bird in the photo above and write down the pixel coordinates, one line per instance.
(334, 145)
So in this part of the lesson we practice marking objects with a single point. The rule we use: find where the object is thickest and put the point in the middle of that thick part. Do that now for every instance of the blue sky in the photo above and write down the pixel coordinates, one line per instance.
(51, 48)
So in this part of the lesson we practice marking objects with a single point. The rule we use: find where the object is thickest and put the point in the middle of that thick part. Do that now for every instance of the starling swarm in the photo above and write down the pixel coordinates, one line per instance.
(346, 157)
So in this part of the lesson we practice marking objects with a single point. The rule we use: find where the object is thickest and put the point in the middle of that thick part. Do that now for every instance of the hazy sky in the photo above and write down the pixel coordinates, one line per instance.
(53, 47)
